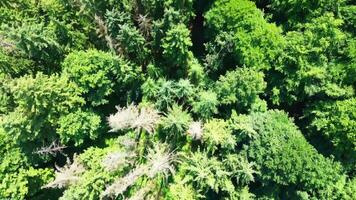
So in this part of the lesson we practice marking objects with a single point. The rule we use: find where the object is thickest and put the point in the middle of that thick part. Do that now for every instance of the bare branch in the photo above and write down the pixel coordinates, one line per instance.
(52, 149)
(121, 185)
(195, 130)
(132, 117)
(116, 159)
(66, 175)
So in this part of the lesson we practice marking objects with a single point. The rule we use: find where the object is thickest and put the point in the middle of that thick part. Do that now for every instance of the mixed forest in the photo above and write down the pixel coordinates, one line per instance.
(178, 99)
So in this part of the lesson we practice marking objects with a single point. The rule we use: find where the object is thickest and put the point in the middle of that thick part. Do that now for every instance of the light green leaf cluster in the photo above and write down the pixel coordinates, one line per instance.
(240, 88)
(99, 74)
(177, 99)
(78, 126)
(336, 121)
(217, 133)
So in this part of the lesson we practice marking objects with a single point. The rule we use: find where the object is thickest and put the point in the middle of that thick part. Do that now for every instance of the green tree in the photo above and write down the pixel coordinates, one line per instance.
(285, 158)
(95, 176)
(124, 37)
(38, 42)
(176, 121)
(206, 104)
(217, 134)
(256, 43)
(18, 179)
(78, 126)
(206, 173)
(164, 93)
(176, 46)
(336, 121)
(240, 88)
(311, 66)
(39, 102)
(291, 13)
(99, 74)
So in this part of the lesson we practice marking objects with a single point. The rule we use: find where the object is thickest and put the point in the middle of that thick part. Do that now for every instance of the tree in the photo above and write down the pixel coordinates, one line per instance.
(202, 91)
(78, 126)
(164, 93)
(14, 64)
(38, 42)
(336, 121)
(217, 134)
(240, 88)
(285, 159)
(176, 121)
(99, 74)
(18, 179)
(311, 66)
(257, 44)
(176, 46)
(124, 37)
(291, 13)
(39, 103)
(206, 173)
(206, 104)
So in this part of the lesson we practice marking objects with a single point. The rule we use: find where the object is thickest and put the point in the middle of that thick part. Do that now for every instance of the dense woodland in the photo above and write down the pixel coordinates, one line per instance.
(178, 99)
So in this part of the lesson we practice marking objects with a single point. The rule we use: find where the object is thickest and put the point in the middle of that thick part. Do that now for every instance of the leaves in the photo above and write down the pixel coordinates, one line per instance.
(217, 134)
(176, 121)
(98, 74)
(284, 156)
(225, 99)
(78, 126)
(336, 120)
(241, 88)
(176, 46)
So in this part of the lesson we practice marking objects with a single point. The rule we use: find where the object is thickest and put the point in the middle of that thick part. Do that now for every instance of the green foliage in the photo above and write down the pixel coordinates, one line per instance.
(164, 93)
(206, 173)
(92, 182)
(243, 128)
(5, 96)
(124, 37)
(115, 19)
(194, 83)
(284, 157)
(181, 191)
(176, 46)
(206, 104)
(336, 121)
(350, 189)
(310, 65)
(153, 8)
(256, 43)
(13, 64)
(176, 121)
(38, 42)
(132, 44)
(99, 74)
(39, 102)
(78, 126)
(294, 12)
(218, 57)
(185, 7)
(19, 180)
(196, 72)
(243, 170)
(217, 133)
(348, 14)
(240, 88)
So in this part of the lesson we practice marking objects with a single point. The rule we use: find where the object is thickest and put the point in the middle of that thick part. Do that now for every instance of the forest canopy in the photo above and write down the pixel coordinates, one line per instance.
(178, 99)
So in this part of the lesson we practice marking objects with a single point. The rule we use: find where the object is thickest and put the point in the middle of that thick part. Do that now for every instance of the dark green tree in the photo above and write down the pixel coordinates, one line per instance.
(287, 161)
